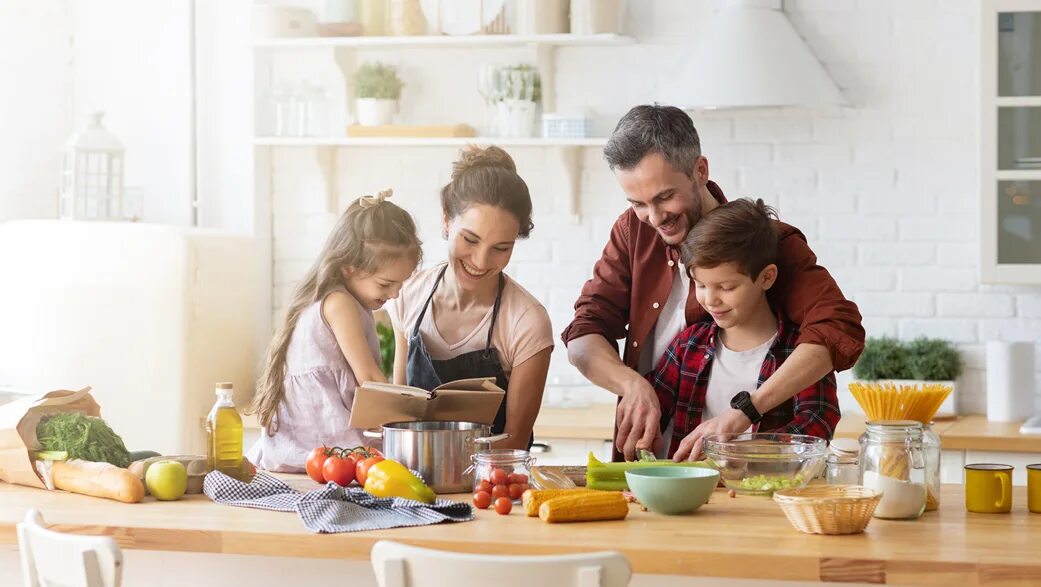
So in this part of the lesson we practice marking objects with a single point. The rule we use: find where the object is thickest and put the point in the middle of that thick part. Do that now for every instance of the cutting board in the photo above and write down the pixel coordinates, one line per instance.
(412, 131)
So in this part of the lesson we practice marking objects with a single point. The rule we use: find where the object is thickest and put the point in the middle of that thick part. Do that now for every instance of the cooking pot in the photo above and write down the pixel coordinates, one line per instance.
(439, 451)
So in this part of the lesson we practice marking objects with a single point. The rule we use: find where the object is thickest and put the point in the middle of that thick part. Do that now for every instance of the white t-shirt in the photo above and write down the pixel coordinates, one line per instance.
(671, 322)
(732, 372)
(522, 329)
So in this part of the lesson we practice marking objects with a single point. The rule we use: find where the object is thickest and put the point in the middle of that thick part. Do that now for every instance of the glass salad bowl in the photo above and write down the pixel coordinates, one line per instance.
(761, 463)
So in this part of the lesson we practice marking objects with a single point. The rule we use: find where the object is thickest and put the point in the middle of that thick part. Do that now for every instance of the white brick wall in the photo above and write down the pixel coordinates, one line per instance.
(886, 191)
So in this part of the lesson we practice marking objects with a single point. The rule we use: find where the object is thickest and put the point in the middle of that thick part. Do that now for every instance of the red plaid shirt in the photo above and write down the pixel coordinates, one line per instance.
(681, 382)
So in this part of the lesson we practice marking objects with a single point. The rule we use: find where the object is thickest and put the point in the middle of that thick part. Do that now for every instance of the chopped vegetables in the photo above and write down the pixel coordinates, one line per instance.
(768, 483)
(82, 437)
(611, 476)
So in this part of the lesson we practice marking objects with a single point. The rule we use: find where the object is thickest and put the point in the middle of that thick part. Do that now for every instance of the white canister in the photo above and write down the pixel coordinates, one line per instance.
(542, 17)
(591, 17)
(516, 118)
(1010, 381)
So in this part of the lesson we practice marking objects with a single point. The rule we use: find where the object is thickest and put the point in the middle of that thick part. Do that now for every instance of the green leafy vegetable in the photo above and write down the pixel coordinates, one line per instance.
(82, 437)
(611, 476)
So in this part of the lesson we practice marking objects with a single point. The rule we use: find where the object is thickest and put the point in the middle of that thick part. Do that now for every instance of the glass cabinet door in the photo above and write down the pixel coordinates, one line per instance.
(1011, 142)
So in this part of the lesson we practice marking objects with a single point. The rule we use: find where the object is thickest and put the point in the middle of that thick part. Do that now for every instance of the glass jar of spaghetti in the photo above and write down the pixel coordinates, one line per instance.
(892, 460)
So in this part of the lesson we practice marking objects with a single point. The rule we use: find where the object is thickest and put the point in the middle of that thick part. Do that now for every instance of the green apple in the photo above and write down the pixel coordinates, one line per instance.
(166, 480)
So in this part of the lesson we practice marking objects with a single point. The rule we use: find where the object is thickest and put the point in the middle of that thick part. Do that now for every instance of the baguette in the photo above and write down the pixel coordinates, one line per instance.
(98, 480)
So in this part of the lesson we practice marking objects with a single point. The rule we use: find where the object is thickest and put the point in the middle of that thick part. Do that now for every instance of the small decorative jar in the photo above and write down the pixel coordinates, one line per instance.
(502, 472)
(843, 468)
(892, 461)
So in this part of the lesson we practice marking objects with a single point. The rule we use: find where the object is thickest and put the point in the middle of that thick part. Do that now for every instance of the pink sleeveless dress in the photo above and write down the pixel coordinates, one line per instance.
(319, 391)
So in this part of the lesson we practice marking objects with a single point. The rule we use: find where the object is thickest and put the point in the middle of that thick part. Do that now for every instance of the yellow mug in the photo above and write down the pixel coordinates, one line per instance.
(1034, 488)
(988, 488)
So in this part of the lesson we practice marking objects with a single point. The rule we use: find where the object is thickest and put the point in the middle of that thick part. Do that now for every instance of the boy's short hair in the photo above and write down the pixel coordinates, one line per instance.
(740, 231)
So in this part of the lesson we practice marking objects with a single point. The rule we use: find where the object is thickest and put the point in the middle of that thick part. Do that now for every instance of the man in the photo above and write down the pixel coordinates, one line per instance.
(638, 291)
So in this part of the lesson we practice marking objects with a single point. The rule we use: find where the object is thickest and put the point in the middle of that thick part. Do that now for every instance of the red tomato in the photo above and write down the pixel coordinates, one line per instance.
(339, 470)
(503, 505)
(315, 462)
(500, 491)
(371, 451)
(484, 486)
(498, 477)
(482, 500)
(517, 478)
(362, 468)
(516, 489)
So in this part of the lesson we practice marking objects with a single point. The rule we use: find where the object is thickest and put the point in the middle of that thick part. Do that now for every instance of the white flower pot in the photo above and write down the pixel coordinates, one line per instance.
(375, 111)
(516, 118)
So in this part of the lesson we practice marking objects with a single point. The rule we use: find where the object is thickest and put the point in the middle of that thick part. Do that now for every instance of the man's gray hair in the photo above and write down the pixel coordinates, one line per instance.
(652, 128)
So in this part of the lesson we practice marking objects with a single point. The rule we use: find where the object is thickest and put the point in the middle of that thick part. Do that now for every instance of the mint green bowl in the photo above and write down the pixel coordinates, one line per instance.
(672, 490)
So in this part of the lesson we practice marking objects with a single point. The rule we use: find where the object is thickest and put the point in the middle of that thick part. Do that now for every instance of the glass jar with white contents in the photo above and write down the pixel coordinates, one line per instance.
(892, 460)
(843, 467)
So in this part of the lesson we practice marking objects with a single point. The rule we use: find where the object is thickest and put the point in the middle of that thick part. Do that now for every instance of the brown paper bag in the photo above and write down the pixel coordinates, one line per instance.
(18, 420)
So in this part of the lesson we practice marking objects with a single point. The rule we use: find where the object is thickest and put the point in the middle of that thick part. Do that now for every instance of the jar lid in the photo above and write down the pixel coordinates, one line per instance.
(844, 447)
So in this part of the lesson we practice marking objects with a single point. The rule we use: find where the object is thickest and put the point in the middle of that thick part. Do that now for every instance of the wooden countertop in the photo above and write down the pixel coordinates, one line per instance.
(740, 537)
(973, 432)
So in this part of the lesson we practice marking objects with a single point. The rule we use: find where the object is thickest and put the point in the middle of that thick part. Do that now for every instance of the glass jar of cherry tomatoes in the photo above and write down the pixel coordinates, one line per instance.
(502, 473)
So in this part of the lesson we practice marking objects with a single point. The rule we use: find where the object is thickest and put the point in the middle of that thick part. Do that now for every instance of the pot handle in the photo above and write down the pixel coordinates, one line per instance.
(495, 438)
(372, 433)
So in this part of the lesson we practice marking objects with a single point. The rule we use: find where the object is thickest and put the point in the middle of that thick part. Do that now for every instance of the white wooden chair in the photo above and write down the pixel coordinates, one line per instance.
(400, 565)
(69, 560)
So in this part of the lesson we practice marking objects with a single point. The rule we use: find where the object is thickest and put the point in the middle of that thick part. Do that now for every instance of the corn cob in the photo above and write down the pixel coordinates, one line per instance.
(532, 499)
(585, 507)
(611, 476)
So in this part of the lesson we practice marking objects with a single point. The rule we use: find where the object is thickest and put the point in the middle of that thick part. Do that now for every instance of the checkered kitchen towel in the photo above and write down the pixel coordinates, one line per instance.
(332, 508)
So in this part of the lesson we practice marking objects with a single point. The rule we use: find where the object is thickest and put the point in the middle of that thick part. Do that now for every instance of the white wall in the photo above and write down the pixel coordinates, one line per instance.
(886, 191)
(36, 69)
(62, 60)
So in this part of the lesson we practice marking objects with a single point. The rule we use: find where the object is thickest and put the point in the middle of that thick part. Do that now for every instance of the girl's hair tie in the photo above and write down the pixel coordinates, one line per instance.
(369, 201)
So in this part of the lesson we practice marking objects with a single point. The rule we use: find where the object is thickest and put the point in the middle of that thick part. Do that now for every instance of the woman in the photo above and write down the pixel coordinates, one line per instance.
(450, 318)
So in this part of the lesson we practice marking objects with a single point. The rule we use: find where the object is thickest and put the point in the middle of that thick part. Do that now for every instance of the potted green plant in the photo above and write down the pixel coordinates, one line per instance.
(377, 89)
(923, 360)
(517, 93)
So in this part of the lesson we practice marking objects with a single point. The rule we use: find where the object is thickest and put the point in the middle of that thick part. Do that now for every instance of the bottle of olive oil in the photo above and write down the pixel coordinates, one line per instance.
(224, 434)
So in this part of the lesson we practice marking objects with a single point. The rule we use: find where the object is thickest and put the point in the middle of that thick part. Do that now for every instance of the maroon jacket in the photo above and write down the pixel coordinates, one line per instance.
(632, 279)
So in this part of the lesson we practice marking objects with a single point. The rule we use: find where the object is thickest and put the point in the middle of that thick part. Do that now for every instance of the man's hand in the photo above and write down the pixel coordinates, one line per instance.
(638, 416)
(731, 421)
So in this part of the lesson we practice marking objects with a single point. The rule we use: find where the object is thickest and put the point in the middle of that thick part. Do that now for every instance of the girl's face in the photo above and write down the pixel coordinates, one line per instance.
(480, 244)
(372, 290)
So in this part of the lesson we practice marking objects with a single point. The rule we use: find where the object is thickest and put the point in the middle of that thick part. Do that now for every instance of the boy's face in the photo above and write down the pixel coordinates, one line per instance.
(730, 296)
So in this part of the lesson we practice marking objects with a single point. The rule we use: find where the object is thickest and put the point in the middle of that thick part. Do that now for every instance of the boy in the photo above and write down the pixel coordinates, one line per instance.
(712, 367)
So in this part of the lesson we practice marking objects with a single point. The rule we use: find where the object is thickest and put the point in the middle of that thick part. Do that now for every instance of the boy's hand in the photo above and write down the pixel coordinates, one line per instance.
(732, 421)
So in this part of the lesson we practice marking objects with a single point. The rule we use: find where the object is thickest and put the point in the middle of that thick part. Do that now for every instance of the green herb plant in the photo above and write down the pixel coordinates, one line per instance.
(82, 437)
(386, 337)
(923, 359)
(377, 80)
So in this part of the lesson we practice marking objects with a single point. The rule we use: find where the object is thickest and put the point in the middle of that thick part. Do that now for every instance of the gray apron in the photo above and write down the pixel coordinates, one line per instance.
(426, 373)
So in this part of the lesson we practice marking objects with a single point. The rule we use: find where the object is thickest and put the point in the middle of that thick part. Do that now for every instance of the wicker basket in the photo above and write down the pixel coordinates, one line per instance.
(829, 509)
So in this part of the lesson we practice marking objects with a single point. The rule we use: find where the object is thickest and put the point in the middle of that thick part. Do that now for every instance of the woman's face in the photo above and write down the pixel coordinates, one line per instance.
(480, 244)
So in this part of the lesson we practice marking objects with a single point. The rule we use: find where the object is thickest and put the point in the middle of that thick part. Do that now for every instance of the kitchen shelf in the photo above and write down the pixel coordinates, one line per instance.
(558, 40)
(425, 142)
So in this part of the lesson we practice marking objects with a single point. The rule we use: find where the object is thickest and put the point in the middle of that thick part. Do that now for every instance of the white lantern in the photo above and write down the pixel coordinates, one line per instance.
(92, 174)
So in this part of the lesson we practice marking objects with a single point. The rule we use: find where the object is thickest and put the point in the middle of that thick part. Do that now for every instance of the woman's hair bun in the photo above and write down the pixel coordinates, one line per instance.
(473, 157)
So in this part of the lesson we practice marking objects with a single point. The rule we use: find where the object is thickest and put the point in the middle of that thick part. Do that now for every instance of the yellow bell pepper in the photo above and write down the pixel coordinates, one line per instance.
(391, 479)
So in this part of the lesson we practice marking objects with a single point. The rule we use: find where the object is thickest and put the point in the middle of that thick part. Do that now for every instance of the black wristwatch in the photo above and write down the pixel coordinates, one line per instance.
(743, 401)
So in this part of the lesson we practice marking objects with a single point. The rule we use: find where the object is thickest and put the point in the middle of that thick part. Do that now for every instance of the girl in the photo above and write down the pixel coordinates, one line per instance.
(466, 318)
(328, 343)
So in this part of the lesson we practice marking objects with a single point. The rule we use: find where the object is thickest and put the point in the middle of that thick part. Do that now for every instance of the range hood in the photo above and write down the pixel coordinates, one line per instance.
(750, 56)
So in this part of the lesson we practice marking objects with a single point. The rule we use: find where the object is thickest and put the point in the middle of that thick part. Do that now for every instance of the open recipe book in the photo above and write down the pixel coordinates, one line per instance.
(468, 400)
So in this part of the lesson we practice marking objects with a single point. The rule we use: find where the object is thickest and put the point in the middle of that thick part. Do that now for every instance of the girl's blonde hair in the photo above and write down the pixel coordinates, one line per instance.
(370, 234)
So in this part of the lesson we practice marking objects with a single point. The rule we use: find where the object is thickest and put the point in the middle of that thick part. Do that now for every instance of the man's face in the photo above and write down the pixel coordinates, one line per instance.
(663, 196)
(730, 296)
